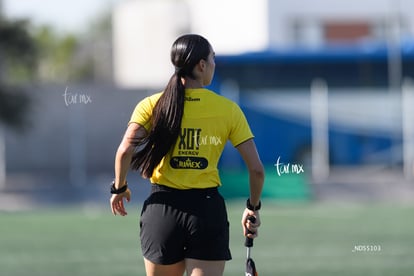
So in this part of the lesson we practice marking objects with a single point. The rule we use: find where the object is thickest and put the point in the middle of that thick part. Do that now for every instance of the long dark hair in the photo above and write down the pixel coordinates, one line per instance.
(186, 52)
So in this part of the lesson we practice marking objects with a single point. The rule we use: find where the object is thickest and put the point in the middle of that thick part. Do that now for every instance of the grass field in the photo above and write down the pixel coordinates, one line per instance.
(295, 239)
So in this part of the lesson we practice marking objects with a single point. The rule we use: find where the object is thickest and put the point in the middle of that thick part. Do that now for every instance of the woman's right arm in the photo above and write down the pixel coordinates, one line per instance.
(125, 151)
(251, 157)
(122, 164)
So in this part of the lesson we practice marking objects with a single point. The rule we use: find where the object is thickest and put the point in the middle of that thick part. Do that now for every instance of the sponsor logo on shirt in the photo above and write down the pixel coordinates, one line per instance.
(188, 162)
(188, 155)
(191, 99)
(188, 139)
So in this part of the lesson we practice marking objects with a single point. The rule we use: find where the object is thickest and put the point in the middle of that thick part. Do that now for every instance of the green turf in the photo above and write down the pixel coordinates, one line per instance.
(286, 186)
(301, 239)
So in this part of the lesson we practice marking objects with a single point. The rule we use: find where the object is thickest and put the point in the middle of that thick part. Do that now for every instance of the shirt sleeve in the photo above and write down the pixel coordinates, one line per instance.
(240, 130)
(143, 111)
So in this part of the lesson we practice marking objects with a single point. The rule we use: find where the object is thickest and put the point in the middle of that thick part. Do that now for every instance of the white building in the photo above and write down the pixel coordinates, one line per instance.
(145, 29)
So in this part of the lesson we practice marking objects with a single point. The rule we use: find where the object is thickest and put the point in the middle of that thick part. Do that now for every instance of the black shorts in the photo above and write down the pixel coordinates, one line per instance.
(178, 224)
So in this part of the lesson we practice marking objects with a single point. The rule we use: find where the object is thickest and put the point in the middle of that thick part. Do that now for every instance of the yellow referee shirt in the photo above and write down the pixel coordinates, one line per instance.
(209, 121)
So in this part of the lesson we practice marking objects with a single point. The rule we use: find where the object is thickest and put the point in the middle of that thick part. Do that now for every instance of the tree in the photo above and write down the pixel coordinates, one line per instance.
(17, 58)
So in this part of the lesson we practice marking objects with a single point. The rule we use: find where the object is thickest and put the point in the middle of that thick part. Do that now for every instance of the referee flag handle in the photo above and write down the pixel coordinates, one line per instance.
(249, 242)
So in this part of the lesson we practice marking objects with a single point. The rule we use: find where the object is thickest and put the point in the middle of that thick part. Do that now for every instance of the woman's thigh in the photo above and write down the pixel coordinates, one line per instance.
(153, 269)
(204, 268)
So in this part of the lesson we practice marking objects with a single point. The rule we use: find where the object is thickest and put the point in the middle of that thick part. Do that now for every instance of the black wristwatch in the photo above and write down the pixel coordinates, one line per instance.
(251, 207)
(120, 190)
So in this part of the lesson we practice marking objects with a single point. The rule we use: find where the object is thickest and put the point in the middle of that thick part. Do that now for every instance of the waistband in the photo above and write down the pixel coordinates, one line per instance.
(162, 188)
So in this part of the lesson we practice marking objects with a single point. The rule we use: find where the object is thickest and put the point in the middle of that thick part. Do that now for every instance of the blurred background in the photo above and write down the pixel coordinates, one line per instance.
(325, 85)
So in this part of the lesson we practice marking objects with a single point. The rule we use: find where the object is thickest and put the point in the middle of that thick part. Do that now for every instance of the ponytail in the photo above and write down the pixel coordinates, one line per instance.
(166, 121)
(167, 114)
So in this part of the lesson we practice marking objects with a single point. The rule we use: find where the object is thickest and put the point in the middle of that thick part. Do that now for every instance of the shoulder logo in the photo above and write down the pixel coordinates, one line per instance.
(191, 99)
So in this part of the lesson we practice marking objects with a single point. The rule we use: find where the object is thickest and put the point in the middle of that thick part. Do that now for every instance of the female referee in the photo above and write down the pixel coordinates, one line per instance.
(175, 138)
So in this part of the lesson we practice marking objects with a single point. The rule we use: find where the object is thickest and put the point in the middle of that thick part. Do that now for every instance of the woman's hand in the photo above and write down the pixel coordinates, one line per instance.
(117, 202)
(248, 226)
